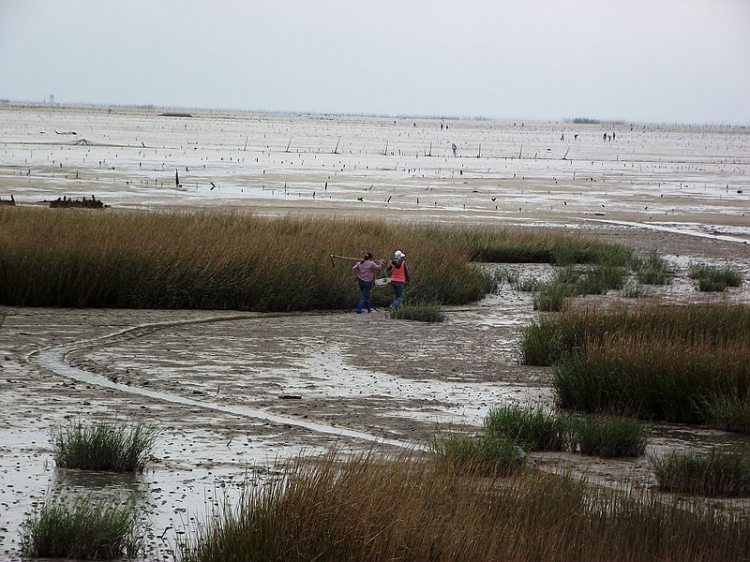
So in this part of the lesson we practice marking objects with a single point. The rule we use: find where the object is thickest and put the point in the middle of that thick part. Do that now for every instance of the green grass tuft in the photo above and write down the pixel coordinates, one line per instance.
(532, 428)
(714, 279)
(608, 437)
(420, 311)
(717, 473)
(484, 456)
(85, 530)
(103, 446)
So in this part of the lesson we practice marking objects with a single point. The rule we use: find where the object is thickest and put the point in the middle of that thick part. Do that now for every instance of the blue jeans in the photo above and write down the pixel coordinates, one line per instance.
(364, 289)
(398, 294)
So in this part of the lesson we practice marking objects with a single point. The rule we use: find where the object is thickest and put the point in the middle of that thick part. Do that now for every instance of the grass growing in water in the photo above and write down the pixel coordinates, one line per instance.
(537, 430)
(482, 456)
(717, 473)
(714, 279)
(608, 437)
(103, 446)
(409, 509)
(533, 428)
(569, 281)
(85, 530)
(417, 310)
(653, 270)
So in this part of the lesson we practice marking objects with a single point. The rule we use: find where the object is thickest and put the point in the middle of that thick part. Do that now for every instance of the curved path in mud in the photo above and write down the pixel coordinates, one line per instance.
(54, 359)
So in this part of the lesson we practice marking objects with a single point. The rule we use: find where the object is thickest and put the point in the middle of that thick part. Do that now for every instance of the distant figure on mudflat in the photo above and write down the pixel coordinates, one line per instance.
(454, 148)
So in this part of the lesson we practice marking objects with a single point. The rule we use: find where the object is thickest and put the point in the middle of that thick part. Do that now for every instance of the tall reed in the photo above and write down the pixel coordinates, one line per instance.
(407, 509)
(231, 261)
(551, 337)
(650, 378)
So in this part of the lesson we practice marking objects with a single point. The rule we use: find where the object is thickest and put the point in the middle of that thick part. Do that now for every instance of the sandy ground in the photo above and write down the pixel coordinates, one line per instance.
(235, 392)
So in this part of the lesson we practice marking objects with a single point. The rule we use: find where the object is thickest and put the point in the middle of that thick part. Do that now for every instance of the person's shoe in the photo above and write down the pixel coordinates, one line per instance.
(358, 311)
(372, 310)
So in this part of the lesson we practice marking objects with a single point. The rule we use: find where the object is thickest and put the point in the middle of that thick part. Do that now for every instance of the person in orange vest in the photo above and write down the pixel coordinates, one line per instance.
(363, 273)
(399, 277)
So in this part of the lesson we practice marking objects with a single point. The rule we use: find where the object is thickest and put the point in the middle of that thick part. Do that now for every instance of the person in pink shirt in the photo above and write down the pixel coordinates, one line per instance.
(363, 273)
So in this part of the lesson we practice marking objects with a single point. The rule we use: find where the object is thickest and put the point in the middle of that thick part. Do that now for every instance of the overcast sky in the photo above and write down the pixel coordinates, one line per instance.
(674, 61)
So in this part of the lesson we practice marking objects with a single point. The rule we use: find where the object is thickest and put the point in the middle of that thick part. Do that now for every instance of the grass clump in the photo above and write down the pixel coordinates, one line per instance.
(533, 429)
(420, 311)
(608, 437)
(483, 455)
(729, 411)
(538, 430)
(407, 508)
(716, 473)
(714, 279)
(103, 446)
(85, 530)
(653, 270)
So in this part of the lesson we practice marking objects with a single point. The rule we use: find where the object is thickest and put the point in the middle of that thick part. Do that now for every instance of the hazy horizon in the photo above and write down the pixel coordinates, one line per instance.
(636, 61)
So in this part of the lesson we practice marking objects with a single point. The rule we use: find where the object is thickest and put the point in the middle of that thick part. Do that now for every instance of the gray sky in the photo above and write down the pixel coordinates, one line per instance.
(674, 61)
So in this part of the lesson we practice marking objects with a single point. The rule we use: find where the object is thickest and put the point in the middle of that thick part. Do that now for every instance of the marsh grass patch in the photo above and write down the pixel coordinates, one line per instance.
(720, 473)
(714, 279)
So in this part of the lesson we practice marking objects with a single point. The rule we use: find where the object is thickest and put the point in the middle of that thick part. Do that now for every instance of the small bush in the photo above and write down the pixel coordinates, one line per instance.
(608, 437)
(86, 530)
(484, 455)
(717, 473)
(420, 311)
(532, 429)
(714, 279)
(103, 446)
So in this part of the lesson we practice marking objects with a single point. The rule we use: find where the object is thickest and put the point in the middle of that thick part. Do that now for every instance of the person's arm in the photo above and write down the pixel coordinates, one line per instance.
(355, 271)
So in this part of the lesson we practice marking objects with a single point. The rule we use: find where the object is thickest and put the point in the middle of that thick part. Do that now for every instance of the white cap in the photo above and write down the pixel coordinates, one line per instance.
(399, 255)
